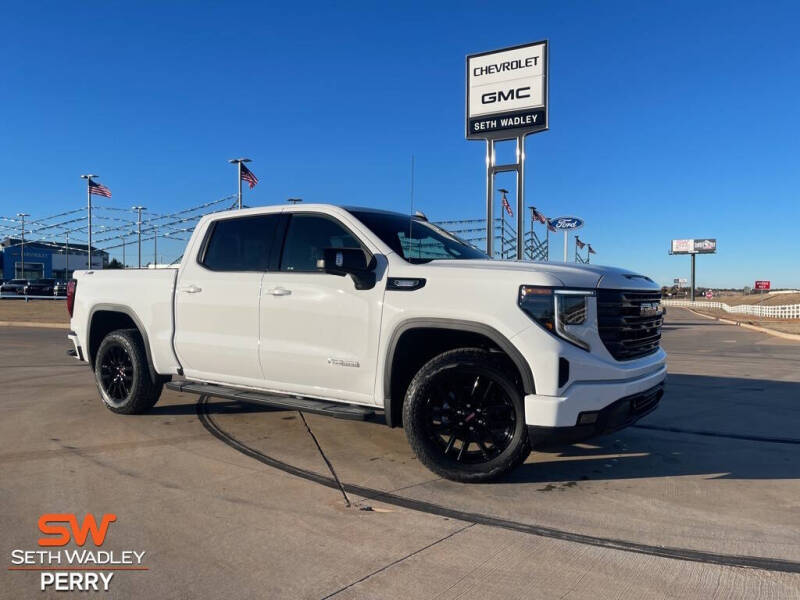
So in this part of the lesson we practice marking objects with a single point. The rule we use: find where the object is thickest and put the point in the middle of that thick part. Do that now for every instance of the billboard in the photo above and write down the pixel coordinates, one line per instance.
(694, 246)
(762, 285)
(507, 92)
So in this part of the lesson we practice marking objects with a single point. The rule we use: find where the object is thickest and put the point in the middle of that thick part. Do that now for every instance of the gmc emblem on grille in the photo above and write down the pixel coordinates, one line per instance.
(649, 309)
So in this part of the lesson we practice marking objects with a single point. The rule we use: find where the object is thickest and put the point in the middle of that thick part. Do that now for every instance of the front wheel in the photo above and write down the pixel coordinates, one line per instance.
(464, 416)
(122, 374)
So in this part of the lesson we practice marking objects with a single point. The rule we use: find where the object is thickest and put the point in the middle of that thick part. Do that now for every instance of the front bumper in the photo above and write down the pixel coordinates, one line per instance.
(587, 395)
(617, 415)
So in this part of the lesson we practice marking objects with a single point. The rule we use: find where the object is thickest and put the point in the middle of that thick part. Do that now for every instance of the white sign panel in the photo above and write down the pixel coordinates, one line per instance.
(507, 92)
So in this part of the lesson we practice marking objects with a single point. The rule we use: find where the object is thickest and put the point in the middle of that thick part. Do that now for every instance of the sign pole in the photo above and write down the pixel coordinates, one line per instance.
(693, 255)
(547, 241)
(490, 198)
(521, 196)
(565, 245)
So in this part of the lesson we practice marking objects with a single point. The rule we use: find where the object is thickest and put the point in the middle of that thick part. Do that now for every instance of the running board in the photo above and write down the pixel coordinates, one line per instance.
(352, 412)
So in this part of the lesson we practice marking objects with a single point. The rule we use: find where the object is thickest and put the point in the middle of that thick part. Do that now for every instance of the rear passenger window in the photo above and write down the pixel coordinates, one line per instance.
(241, 244)
(308, 235)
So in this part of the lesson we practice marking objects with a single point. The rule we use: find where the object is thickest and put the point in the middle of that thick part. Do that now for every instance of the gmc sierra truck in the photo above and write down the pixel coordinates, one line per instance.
(354, 312)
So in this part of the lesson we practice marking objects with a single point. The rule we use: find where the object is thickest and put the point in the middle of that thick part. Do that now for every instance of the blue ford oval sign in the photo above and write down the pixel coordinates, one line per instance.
(566, 223)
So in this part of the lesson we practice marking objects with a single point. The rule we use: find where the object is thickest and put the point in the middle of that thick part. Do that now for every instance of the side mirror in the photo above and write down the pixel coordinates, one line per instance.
(349, 261)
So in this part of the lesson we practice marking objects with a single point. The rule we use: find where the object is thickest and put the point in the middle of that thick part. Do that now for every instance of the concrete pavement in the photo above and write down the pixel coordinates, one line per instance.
(713, 473)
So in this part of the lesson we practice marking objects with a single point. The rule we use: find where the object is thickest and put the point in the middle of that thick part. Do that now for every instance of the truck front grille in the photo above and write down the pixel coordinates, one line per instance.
(629, 322)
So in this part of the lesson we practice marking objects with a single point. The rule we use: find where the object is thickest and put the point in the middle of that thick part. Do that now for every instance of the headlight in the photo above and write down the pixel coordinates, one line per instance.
(557, 309)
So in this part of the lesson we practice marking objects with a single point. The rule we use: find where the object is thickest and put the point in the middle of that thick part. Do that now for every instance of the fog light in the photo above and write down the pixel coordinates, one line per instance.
(587, 418)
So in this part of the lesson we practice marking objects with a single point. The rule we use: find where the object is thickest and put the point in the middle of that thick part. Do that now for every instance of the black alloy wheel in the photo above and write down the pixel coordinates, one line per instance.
(116, 374)
(464, 415)
(469, 415)
(124, 375)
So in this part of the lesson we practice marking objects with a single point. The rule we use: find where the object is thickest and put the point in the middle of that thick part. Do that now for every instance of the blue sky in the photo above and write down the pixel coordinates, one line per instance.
(668, 120)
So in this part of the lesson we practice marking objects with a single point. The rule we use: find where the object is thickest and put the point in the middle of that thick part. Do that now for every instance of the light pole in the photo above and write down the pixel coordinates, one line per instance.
(66, 258)
(88, 177)
(238, 162)
(22, 248)
(139, 210)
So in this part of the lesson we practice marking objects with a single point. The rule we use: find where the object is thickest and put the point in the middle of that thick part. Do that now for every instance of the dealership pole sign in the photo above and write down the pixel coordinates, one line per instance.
(566, 224)
(507, 100)
(507, 92)
(763, 284)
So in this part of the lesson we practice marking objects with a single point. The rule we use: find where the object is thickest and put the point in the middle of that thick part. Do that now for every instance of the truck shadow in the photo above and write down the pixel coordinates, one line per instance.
(715, 427)
(719, 427)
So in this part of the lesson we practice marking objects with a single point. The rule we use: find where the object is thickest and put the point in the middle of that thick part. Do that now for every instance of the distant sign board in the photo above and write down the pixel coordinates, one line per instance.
(680, 280)
(709, 294)
(762, 285)
(567, 223)
(507, 92)
(699, 246)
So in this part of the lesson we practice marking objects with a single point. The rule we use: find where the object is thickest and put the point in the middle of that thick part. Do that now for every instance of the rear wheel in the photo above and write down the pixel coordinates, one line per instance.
(122, 373)
(464, 416)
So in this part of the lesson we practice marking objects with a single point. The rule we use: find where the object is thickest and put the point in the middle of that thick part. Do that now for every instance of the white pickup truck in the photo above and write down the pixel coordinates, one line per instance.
(354, 312)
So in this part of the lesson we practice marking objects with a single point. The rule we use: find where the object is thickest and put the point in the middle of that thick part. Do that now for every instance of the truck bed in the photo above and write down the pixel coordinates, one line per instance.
(146, 295)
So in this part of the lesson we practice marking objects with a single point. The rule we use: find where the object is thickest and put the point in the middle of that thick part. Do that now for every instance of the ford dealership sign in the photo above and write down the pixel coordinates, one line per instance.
(567, 223)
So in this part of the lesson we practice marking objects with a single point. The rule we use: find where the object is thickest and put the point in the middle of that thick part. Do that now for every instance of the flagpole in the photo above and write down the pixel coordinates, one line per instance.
(88, 178)
(238, 162)
(240, 185)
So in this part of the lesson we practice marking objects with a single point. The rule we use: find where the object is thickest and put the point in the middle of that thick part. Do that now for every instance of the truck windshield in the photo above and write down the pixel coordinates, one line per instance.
(416, 239)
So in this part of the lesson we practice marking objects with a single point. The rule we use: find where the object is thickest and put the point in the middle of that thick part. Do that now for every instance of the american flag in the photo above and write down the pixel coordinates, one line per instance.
(249, 176)
(550, 226)
(98, 189)
(507, 206)
(579, 243)
(590, 250)
(537, 216)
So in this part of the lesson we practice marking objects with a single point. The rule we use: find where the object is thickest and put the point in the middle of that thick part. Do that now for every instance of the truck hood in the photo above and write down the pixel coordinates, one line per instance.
(569, 274)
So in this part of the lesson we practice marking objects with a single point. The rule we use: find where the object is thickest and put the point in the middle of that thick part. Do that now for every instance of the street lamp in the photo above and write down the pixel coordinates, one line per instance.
(22, 247)
(139, 210)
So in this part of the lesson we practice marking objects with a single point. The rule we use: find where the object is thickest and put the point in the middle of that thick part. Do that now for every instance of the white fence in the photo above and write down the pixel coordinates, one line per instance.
(787, 311)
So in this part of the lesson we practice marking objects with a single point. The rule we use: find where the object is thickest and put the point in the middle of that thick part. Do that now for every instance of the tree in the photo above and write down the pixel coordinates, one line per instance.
(115, 264)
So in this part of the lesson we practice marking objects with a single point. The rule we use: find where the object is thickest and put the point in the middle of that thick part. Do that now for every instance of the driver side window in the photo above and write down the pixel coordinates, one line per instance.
(306, 239)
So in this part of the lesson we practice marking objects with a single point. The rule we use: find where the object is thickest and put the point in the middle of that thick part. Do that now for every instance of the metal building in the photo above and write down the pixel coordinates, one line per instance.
(46, 259)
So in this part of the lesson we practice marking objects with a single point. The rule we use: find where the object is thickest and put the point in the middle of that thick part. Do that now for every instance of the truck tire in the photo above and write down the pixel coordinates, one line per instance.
(464, 416)
(122, 374)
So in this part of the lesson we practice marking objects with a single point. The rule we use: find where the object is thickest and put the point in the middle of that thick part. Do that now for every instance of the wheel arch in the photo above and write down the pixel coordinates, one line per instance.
(393, 404)
(105, 318)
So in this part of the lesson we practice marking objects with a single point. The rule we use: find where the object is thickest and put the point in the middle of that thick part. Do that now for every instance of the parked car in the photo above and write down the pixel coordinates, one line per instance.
(13, 286)
(60, 288)
(351, 312)
(40, 287)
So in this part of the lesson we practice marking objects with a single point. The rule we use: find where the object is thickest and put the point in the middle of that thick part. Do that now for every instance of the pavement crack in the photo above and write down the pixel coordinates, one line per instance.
(398, 561)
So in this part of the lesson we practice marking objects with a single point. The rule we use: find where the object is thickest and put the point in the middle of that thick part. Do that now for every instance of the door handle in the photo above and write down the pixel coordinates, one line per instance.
(279, 291)
(191, 289)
